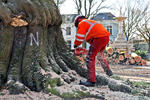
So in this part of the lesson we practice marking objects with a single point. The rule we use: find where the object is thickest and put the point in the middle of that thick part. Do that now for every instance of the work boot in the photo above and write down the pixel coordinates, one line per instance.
(87, 83)
(109, 73)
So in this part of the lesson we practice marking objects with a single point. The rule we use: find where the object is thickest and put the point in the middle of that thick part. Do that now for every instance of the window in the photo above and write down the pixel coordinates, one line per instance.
(68, 19)
(109, 29)
(68, 31)
(69, 44)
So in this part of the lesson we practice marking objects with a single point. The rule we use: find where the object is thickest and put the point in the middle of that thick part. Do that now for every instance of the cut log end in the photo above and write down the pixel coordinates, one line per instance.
(109, 50)
(127, 55)
(127, 63)
(132, 61)
(137, 58)
(121, 57)
(144, 63)
(117, 61)
(114, 55)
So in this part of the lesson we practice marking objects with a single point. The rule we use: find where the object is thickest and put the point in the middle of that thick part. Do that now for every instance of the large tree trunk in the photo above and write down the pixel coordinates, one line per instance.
(30, 52)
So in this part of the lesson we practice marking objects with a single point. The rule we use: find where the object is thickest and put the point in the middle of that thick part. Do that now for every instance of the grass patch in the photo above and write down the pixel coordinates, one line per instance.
(72, 95)
(68, 95)
(75, 94)
(54, 91)
(116, 77)
(82, 94)
(138, 84)
(135, 91)
(54, 82)
(141, 84)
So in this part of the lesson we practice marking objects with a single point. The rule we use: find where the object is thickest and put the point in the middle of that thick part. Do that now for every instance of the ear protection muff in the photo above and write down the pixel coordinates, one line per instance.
(76, 24)
(80, 19)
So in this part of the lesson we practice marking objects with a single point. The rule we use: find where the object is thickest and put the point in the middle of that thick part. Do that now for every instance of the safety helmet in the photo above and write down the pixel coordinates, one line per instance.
(78, 19)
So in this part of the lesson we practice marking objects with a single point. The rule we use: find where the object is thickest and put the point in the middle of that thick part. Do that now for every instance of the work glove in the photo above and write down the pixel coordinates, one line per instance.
(75, 46)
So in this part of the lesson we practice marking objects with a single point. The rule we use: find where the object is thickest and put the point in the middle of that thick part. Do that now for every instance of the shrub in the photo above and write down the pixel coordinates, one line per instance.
(141, 53)
(137, 52)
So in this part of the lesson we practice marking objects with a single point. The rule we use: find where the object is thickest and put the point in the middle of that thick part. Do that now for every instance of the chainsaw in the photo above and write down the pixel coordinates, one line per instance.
(80, 51)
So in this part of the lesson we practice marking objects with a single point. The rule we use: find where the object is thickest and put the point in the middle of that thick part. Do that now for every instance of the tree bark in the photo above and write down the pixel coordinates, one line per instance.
(28, 50)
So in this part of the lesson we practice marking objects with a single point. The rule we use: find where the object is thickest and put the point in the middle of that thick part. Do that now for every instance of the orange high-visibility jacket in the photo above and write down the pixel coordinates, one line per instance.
(89, 29)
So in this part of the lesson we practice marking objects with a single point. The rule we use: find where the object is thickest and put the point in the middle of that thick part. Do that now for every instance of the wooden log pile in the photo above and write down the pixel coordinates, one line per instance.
(123, 58)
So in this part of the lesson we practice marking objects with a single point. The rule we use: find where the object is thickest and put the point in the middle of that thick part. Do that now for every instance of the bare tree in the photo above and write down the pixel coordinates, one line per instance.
(143, 29)
(134, 11)
(59, 3)
(89, 8)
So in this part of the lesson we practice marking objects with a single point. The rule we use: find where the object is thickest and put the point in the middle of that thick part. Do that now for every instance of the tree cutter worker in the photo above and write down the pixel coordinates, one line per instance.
(98, 37)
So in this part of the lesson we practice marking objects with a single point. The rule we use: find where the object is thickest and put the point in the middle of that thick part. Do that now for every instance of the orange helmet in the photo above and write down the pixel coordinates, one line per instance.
(78, 19)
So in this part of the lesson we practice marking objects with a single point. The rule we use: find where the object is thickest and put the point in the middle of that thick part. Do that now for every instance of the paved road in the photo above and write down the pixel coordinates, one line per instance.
(131, 72)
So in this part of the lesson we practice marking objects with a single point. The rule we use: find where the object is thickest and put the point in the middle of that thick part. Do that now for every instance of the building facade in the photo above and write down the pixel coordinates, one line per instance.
(69, 30)
(108, 21)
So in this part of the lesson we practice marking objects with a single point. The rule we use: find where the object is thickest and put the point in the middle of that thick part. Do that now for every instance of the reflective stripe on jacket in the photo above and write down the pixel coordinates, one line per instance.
(89, 29)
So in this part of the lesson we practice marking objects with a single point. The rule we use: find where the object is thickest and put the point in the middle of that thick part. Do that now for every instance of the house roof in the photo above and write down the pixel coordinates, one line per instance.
(72, 16)
(104, 16)
(98, 17)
